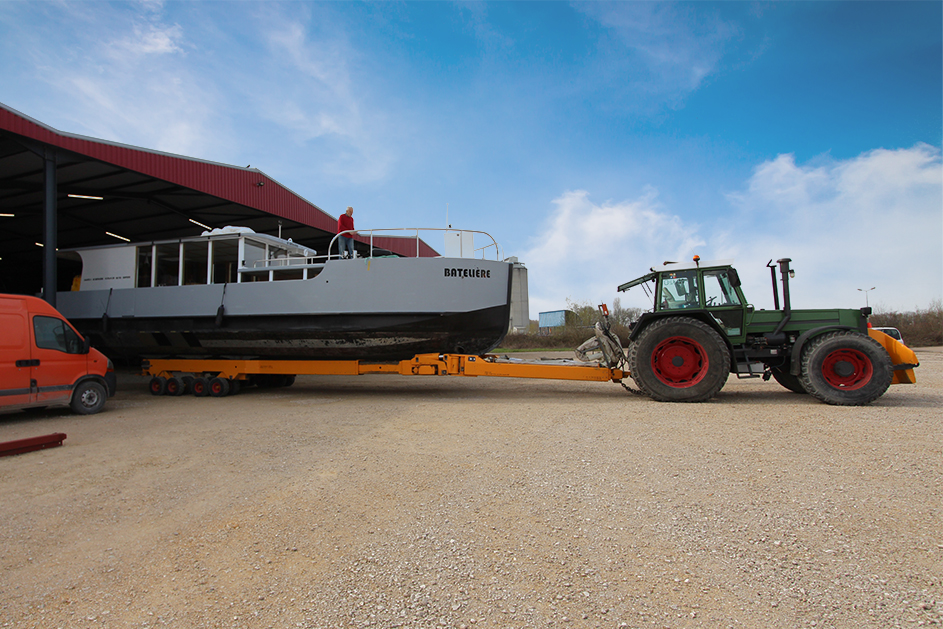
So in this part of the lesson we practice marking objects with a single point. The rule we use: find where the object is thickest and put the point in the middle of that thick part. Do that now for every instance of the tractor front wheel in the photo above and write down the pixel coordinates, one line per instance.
(679, 359)
(846, 368)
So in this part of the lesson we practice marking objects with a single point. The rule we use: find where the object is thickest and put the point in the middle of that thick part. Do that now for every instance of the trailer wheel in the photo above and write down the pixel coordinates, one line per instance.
(157, 385)
(219, 387)
(788, 380)
(175, 386)
(200, 387)
(235, 385)
(88, 398)
(846, 368)
(679, 359)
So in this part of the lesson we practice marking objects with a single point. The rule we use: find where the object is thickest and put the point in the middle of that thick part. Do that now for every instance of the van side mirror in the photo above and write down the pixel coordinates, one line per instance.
(86, 345)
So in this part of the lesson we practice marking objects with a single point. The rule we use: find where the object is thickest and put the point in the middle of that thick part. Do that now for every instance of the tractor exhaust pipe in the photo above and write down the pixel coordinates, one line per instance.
(787, 273)
(772, 273)
(776, 337)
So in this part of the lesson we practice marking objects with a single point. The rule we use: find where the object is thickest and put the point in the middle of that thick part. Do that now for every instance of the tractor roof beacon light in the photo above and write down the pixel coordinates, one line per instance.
(697, 261)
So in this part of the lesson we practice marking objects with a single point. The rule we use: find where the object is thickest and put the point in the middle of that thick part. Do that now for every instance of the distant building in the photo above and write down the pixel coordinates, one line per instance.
(548, 321)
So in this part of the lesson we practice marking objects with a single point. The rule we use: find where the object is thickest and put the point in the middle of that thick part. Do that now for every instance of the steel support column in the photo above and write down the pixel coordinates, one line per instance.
(50, 227)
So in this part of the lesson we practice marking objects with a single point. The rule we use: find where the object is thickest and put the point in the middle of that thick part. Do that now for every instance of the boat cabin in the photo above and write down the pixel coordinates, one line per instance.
(222, 256)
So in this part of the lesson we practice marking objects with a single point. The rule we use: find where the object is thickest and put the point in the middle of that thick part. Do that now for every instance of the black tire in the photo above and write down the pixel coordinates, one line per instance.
(235, 385)
(88, 398)
(219, 387)
(200, 387)
(157, 385)
(679, 359)
(846, 369)
(788, 380)
(175, 386)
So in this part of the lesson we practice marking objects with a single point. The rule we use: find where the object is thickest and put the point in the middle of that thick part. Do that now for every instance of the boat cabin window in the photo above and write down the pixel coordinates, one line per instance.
(144, 266)
(168, 264)
(254, 253)
(679, 290)
(225, 257)
(195, 255)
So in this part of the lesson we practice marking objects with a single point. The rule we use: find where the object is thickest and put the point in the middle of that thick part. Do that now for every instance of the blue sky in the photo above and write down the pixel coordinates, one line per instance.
(592, 140)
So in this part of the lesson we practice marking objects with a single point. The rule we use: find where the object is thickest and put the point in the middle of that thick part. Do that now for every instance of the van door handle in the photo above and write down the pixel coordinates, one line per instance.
(27, 363)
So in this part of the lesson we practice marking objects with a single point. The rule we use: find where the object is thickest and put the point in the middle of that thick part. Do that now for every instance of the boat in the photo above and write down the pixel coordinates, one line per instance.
(235, 293)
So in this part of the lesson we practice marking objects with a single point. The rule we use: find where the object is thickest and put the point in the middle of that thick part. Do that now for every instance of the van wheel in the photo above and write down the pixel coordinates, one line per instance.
(157, 385)
(88, 398)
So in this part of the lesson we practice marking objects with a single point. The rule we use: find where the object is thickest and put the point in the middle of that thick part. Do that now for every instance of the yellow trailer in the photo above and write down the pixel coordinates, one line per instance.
(220, 377)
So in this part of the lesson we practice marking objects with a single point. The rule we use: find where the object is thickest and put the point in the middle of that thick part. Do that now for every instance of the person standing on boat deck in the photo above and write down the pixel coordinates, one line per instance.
(345, 223)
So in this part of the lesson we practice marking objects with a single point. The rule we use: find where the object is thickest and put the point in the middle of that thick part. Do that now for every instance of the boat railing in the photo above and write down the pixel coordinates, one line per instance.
(416, 230)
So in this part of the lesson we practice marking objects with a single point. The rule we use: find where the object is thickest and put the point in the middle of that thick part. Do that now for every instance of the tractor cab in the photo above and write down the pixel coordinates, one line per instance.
(712, 288)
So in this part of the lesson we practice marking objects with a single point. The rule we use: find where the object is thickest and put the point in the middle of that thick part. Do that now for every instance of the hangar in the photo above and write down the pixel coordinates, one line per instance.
(62, 190)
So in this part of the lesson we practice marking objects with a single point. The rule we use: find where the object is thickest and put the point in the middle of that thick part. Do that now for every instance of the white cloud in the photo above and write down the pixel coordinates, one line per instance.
(125, 75)
(311, 88)
(873, 220)
(585, 250)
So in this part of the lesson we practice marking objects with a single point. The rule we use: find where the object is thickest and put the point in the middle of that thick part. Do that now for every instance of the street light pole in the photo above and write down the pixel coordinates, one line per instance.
(866, 291)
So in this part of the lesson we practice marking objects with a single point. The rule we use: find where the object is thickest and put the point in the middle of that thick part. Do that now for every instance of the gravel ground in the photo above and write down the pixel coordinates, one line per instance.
(389, 501)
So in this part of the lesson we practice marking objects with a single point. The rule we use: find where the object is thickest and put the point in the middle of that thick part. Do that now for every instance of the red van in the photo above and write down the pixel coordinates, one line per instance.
(45, 362)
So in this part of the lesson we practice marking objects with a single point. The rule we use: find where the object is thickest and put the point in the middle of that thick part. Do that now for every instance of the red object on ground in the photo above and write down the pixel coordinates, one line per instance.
(20, 446)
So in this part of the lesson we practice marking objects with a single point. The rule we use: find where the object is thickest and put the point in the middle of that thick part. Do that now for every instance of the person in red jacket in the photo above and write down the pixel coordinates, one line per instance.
(346, 224)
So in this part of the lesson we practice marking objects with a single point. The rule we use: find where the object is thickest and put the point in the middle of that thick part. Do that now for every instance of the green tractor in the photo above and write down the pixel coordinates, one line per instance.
(702, 328)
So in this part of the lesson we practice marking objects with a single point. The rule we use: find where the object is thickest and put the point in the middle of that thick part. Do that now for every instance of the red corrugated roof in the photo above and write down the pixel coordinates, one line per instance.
(232, 183)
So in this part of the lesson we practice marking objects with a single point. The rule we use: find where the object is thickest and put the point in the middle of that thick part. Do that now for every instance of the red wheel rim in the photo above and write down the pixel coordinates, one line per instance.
(216, 387)
(155, 386)
(847, 369)
(680, 362)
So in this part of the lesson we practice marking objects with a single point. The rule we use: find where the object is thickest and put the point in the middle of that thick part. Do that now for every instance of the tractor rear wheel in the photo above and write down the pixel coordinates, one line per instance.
(846, 368)
(679, 359)
(788, 380)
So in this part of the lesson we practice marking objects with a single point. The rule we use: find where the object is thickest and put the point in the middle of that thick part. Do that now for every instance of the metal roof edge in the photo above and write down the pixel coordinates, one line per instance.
(88, 138)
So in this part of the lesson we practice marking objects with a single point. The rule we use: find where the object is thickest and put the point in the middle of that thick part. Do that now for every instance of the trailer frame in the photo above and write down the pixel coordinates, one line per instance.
(488, 365)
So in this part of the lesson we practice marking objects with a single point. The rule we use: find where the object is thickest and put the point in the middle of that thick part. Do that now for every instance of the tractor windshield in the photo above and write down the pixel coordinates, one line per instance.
(679, 290)
(718, 291)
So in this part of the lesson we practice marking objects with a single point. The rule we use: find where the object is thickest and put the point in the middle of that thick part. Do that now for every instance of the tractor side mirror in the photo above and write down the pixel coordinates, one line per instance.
(734, 278)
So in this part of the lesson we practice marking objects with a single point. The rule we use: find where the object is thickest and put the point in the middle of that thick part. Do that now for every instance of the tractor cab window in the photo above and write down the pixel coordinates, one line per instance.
(679, 290)
(718, 289)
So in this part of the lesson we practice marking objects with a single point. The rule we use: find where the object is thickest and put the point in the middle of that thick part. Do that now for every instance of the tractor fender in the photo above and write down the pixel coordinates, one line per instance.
(795, 361)
(649, 317)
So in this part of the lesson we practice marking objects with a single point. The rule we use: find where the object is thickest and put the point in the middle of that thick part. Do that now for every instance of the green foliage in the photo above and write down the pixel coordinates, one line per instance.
(921, 328)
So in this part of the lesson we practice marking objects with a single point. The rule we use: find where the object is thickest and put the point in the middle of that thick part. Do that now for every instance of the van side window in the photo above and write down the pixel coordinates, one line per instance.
(53, 333)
